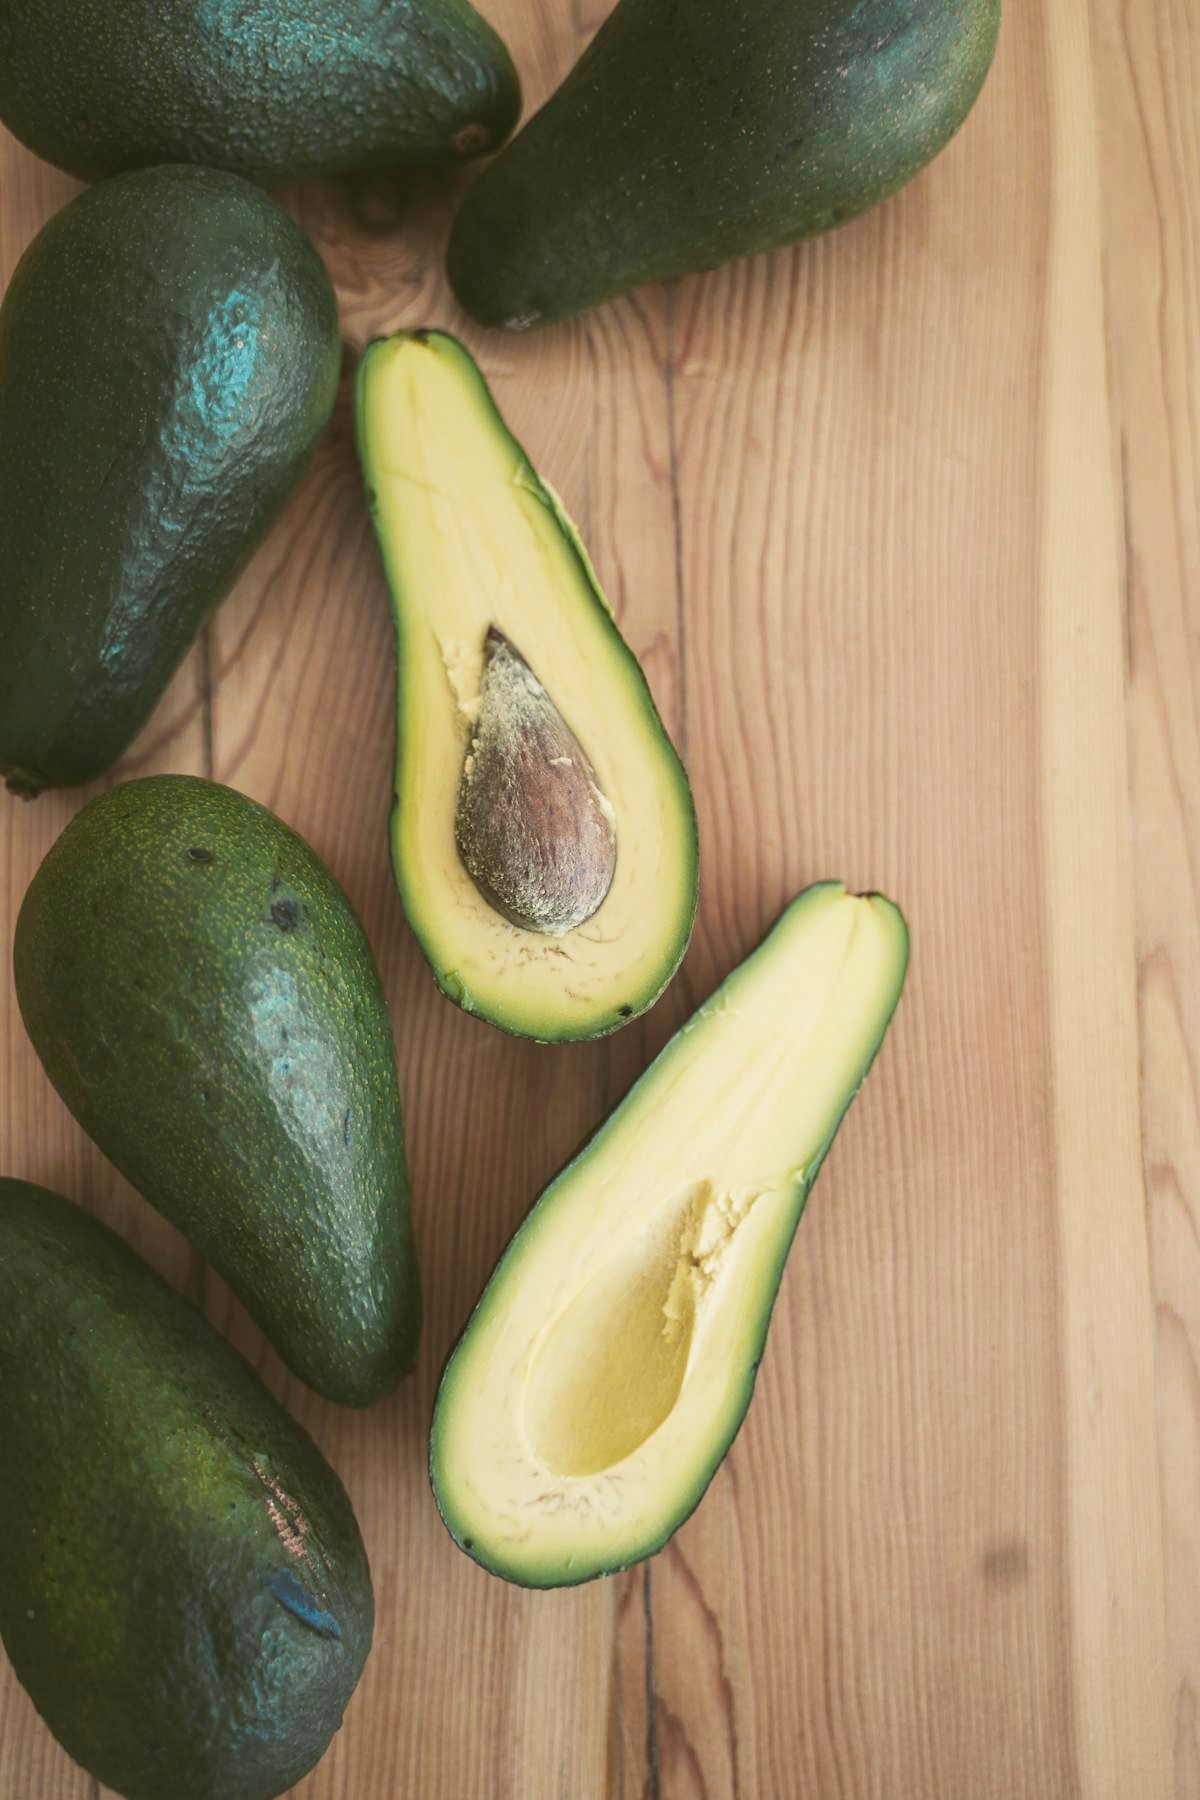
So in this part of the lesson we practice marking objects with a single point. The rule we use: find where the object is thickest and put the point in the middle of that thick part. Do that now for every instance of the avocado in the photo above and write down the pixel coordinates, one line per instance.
(278, 91)
(169, 356)
(543, 835)
(687, 135)
(611, 1360)
(183, 1588)
(204, 999)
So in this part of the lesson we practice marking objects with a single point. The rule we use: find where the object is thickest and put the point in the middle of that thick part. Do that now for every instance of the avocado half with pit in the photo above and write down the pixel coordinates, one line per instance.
(543, 835)
(608, 1366)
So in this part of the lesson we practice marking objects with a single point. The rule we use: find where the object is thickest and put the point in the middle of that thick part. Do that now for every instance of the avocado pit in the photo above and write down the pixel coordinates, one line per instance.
(533, 830)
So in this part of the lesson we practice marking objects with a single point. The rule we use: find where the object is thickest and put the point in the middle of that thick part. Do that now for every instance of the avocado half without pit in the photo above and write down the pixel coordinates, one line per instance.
(544, 836)
(604, 1373)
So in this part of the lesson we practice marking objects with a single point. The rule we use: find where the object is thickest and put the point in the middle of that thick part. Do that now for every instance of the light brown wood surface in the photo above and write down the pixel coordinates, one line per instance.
(905, 525)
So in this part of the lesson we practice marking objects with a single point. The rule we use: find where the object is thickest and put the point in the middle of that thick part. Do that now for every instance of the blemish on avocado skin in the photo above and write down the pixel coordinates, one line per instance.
(471, 139)
(285, 914)
(300, 1603)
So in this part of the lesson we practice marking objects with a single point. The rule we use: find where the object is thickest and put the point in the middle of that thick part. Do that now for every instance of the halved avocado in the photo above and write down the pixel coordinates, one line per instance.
(605, 1371)
(513, 678)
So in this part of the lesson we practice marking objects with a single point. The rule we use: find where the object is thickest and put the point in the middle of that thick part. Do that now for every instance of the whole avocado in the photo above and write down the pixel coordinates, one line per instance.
(183, 1587)
(169, 356)
(206, 1003)
(278, 91)
(691, 133)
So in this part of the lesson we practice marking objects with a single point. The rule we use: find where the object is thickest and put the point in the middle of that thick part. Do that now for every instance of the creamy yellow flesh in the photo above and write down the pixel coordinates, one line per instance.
(609, 1362)
(470, 542)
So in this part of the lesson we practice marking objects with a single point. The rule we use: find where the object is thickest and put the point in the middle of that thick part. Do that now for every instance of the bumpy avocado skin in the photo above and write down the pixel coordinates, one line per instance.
(169, 356)
(205, 1001)
(183, 1588)
(694, 131)
(283, 90)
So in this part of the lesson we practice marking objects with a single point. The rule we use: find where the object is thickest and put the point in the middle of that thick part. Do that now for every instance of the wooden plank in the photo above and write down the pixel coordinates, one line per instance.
(1148, 81)
(1114, 1536)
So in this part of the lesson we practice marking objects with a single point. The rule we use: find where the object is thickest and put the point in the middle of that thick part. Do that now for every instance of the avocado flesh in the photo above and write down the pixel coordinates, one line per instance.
(204, 999)
(169, 357)
(605, 1371)
(183, 1588)
(689, 135)
(279, 91)
(473, 540)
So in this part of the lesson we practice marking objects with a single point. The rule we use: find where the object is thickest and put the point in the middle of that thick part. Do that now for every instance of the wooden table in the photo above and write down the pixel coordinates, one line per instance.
(905, 527)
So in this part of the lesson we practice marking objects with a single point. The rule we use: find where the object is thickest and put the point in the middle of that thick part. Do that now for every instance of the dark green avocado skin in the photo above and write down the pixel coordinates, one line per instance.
(278, 91)
(169, 356)
(183, 1588)
(694, 131)
(205, 1001)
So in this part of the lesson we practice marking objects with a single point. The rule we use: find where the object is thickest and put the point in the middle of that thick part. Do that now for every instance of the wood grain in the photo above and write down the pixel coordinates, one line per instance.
(1148, 80)
(905, 526)
(1113, 1520)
